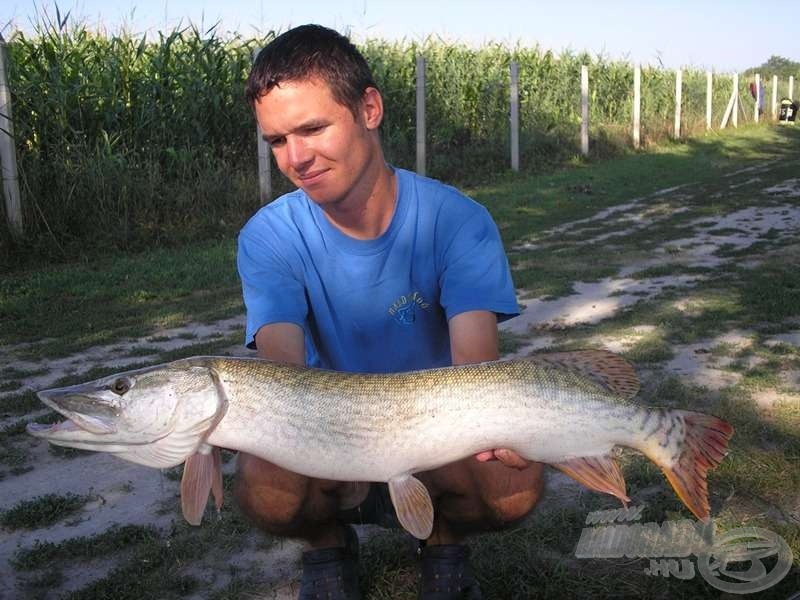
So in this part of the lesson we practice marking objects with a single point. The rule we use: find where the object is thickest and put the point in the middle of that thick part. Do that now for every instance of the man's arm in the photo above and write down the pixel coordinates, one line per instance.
(282, 342)
(473, 338)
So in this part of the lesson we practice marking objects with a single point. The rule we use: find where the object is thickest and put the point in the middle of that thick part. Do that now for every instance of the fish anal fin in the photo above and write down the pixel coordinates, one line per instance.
(605, 368)
(599, 473)
(413, 505)
(705, 445)
(202, 474)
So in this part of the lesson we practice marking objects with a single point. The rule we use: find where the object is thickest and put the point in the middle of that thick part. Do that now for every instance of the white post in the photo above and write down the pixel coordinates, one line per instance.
(514, 116)
(637, 106)
(585, 110)
(678, 90)
(791, 87)
(774, 97)
(735, 113)
(421, 115)
(8, 152)
(709, 93)
(264, 163)
(758, 98)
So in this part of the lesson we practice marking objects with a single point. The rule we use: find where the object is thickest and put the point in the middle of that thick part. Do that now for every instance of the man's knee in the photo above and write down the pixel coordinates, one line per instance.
(268, 495)
(486, 495)
(511, 495)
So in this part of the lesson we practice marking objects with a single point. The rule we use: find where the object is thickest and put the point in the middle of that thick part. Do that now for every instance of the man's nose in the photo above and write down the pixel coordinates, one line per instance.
(298, 152)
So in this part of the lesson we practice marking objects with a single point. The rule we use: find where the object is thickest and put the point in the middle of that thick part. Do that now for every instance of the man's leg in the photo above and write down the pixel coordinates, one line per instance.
(470, 497)
(290, 505)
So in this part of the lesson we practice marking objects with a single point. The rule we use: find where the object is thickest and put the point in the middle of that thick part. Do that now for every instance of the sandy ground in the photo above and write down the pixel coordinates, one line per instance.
(129, 494)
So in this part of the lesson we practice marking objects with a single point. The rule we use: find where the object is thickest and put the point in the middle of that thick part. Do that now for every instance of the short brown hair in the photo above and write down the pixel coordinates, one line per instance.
(310, 51)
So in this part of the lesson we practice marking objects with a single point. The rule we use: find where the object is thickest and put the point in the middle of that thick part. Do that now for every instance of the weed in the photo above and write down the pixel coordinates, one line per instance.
(42, 511)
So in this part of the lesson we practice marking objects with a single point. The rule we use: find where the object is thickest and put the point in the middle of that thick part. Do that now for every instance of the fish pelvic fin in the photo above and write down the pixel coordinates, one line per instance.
(605, 368)
(413, 505)
(598, 473)
(352, 494)
(701, 444)
(202, 476)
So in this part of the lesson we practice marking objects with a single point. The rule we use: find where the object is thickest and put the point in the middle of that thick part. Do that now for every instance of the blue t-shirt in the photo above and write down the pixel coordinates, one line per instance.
(379, 305)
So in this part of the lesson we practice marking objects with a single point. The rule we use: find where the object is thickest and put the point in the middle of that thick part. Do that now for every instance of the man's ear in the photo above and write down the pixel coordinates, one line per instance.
(372, 108)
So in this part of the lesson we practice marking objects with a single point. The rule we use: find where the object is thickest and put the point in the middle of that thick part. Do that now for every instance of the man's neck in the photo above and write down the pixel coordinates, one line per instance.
(367, 212)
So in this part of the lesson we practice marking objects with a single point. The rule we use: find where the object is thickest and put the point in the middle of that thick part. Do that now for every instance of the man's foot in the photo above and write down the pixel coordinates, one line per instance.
(445, 574)
(331, 573)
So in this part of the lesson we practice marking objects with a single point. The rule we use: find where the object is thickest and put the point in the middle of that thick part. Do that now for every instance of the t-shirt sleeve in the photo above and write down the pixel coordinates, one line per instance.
(272, 291)
(474, 272)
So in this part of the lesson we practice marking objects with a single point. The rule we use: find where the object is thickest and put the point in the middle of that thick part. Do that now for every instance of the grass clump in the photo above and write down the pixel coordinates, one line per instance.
(116, 539)
(42, 511)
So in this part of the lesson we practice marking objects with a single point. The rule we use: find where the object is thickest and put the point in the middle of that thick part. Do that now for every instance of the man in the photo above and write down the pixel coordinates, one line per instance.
(367, 268)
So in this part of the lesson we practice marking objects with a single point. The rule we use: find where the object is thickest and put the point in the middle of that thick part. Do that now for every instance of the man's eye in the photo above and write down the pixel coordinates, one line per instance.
(277, 142)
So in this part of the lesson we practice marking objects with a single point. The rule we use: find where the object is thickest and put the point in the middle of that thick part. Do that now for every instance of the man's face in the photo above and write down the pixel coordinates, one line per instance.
(317, 142)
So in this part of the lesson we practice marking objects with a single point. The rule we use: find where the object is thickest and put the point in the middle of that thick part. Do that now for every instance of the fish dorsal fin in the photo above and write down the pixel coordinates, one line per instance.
(202, 475)
(606, 368)
(599, 473)
(413, 505)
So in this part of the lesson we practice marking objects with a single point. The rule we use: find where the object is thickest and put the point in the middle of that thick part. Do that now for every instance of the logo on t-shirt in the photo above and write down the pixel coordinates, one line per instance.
(404, 309)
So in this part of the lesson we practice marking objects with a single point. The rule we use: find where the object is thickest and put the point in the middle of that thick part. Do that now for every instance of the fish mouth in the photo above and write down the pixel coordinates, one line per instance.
(79, 426)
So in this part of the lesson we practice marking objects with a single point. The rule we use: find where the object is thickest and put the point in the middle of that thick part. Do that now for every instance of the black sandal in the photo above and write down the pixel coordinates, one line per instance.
(445, 574)
(331, 573)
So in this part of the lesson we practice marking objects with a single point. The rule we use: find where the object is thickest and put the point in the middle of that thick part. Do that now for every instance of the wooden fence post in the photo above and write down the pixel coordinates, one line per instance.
(678, 94)
(421, 115)
(8, 152)
(774, 97)
(514, 116)
(264, 162)
(758, 98)
(584, 110)
(637, 106)
(709, 94)
(735, 114)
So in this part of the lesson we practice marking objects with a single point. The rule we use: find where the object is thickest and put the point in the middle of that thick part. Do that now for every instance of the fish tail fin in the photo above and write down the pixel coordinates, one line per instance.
(686, 450)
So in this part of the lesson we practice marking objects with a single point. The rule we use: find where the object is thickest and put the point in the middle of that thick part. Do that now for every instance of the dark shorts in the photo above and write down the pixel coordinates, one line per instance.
(376, 509)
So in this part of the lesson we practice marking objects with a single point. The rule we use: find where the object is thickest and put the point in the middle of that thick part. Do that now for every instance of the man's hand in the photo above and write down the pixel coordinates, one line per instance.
(508, 457)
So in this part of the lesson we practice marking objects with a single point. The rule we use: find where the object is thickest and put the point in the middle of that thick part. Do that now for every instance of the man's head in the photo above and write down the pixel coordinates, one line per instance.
(317, 106)
(312, 52)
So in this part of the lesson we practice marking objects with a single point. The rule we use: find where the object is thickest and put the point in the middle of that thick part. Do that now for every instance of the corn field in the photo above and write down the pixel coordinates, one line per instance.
(126, 142)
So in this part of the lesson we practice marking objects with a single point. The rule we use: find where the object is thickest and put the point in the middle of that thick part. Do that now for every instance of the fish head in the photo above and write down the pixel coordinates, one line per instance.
(152, 416)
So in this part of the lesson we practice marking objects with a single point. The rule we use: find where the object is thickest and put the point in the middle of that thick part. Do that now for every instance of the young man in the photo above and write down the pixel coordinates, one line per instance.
(367, 268)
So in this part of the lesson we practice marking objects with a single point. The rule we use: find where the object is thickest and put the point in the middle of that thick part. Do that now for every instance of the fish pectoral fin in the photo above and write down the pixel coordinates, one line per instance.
(202, 475)
(599, 473)
(413, 505)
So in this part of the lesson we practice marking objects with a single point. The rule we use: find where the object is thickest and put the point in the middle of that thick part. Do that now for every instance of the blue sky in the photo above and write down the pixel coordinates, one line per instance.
(719, 34)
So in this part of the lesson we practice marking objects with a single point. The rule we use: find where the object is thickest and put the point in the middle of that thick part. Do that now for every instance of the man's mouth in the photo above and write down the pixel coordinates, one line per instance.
(312, 177)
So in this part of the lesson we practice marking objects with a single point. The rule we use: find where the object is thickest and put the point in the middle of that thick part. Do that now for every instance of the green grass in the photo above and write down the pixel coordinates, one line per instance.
(42, 511)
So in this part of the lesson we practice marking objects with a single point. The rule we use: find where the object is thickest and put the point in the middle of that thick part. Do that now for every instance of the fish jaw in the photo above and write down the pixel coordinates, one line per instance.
(87, 409)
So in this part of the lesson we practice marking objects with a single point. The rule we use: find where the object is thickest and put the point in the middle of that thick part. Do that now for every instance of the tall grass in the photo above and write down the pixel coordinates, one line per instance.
(128, 141)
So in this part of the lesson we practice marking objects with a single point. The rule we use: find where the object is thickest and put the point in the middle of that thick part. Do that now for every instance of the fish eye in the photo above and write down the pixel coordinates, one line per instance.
(121, 385)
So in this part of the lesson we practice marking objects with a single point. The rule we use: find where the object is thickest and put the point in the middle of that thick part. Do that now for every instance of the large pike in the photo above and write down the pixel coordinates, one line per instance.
(568, 409)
